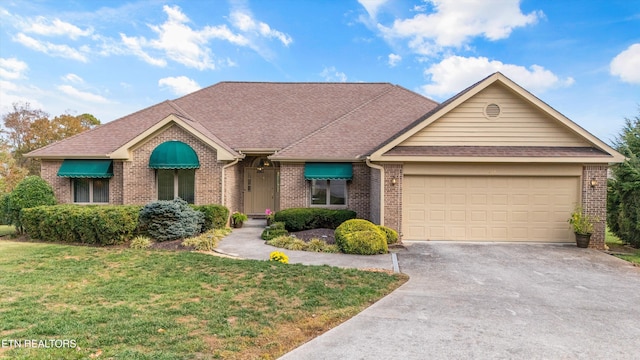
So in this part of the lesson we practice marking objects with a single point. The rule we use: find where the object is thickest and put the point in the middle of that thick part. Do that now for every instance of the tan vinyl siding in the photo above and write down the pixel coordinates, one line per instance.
(519, 124)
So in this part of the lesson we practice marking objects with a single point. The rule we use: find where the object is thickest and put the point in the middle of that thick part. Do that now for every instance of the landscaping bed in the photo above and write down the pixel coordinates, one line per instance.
(323, 234)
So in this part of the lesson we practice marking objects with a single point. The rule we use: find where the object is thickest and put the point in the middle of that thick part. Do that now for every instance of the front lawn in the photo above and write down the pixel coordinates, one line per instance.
(134, 304)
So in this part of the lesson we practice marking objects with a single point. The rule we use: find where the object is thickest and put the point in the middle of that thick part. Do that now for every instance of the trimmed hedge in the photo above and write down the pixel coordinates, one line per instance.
(273, 231)
(361, 237)
(215, 216)
(167, 220)
(392, 235)
(32, 191)
(104, 225)
(298, 219)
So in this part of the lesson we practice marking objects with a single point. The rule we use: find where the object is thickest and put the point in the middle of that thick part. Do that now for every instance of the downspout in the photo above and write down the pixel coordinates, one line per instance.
(378, 167)
(224, 168)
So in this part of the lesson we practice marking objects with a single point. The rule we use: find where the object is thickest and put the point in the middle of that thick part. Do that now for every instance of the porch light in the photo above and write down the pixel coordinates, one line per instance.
(594, 182)
(394, 181)
(263, 164)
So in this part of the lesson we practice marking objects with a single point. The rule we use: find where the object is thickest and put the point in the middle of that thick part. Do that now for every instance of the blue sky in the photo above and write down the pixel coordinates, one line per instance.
(111, 58)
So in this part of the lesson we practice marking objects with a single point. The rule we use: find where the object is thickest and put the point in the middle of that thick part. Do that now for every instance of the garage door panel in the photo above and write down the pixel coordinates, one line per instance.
(494, 208)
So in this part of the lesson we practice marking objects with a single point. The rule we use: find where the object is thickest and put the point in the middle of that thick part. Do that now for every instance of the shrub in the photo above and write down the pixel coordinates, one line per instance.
(268, 234)
(4, 210)
(297, 244)
(104, 225)
(141, 243)
(206, 241)
(170, 219)
(32, 191)
(392, 235)
(281, 241)
(279, 257)
(215, 216)
(362, 237)
(316, 245)
(298, 219)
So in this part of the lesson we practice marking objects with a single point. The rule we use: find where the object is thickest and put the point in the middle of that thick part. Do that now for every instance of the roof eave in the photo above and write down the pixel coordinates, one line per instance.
(494, 159)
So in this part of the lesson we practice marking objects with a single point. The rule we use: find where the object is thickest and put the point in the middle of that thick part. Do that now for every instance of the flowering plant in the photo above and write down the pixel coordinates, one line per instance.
(267, 212)
(279, 256)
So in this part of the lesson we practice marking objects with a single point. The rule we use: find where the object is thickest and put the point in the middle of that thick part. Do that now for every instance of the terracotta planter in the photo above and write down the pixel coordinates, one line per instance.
(582, 240)
(237, 225)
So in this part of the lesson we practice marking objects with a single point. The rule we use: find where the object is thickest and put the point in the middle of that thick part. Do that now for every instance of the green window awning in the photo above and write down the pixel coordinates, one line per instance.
(86, 168)
(174, 155)
(324, 171)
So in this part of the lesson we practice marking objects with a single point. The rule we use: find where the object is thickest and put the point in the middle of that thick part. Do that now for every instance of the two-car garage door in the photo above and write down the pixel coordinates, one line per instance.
(488, 208)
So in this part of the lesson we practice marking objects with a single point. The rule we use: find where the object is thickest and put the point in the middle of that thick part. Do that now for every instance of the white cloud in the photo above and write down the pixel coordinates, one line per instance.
(455, 73)
(57, 27)
(73, 78)
(56, 50)
(394, 59)
(179, 85)
(330, 74)
(83, 95)
(12, 68)
(453, 23)
(626, 65)
(372, 6)
(181, 43)
(245, 22)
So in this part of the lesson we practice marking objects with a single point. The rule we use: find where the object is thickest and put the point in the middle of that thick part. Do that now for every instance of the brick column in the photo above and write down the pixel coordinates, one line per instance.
(594, 200)
(393, 196)
(293, 187)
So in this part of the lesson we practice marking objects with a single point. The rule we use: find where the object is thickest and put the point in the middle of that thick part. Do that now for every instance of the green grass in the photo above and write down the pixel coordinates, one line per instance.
(138, 304)
(7, 230)
(615, 243)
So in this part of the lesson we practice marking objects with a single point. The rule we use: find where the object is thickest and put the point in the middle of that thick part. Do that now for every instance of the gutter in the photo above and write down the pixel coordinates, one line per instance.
(378, 167)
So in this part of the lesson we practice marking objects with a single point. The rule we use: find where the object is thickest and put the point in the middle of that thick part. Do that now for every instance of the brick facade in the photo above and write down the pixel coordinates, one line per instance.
(139, 181)
(374, 195)
(61, 185)
(294, 189)
(393, 196)
(594, 200)
(359, 191)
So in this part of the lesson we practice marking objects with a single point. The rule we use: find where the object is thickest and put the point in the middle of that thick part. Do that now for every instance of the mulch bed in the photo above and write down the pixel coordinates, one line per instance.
(171, 245)
(322, 234)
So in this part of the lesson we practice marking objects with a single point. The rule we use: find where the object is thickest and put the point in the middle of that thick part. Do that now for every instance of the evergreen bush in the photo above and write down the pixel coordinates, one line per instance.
(170, 220)
(298, 219)
(392, 235)
(361, 237)
(215, 216)
(32, 191)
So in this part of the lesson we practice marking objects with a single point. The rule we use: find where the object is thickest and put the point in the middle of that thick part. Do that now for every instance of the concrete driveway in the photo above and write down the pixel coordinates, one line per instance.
(496, 301)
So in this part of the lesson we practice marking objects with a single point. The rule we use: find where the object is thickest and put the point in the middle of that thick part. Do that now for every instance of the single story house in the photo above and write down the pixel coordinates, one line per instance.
(493, 163)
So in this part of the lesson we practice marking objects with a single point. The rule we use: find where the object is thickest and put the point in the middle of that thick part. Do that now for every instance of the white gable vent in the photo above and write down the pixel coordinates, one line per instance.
(492, 110)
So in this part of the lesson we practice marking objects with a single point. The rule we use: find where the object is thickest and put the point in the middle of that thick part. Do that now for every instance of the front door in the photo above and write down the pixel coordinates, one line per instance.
(259, 190)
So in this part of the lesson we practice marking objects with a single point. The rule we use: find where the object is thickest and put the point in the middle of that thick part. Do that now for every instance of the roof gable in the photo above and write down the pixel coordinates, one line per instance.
(524, 120)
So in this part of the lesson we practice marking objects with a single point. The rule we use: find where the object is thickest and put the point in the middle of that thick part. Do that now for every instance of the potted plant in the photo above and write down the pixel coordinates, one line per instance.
(238, 219)
(582, 225)
(269, 216)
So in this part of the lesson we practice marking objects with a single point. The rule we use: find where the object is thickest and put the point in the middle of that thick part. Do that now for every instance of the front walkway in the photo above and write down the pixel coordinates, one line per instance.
(246, 243)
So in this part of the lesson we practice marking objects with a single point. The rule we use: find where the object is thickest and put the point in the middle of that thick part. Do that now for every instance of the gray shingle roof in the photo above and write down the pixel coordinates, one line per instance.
(308, 120)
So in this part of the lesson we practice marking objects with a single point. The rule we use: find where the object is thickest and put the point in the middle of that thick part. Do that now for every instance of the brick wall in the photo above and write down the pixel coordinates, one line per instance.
(61, 185)
(393, 196)
(233, 187)
(294, 190)
(374, 196)
(139, 181)
(594, 200)
(359, 191)
(116, 191)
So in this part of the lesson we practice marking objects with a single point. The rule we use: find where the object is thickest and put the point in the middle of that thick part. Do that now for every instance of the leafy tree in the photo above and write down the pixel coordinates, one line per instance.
(623, 202)
(28, 129)
(31, 192)
(10, 172)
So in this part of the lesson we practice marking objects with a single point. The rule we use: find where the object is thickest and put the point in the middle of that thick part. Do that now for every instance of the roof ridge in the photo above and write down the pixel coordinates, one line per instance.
(332, 122)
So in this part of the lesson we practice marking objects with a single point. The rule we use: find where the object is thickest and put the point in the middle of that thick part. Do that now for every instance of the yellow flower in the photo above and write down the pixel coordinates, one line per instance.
(279, 256)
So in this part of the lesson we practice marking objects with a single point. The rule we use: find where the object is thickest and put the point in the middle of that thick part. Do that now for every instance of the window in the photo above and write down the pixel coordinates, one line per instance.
(328, 192)
(90, 190)
(177, 183)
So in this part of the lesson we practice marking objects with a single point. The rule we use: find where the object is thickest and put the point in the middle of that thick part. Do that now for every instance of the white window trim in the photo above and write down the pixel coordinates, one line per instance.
(327, 204)
(91, 202)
